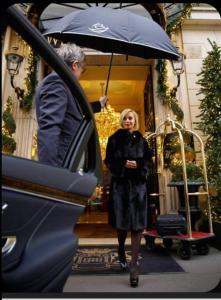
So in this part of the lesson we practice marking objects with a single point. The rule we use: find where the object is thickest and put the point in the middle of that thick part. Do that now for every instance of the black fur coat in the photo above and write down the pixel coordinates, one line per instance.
(128, 192)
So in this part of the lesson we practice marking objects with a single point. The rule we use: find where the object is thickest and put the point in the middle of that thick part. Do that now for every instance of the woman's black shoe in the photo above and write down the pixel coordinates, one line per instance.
(123, 265)
(122, 260)
(134, 276)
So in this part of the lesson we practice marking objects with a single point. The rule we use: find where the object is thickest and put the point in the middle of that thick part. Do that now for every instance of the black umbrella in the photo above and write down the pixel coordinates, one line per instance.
(119, 31)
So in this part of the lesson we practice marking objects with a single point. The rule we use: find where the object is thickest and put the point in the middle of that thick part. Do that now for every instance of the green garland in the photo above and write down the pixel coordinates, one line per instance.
(30, 82)
(176, 24)
(166, 94)
(8, 128)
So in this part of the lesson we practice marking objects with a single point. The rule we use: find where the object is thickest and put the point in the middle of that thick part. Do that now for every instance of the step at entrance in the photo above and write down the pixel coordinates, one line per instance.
(94, 230)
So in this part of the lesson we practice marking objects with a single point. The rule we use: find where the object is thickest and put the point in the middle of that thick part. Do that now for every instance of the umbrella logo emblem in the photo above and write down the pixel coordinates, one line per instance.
(98, 28)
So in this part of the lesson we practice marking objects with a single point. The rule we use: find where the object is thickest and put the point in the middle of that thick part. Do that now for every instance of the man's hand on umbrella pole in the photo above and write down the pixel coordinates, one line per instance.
(103, 100)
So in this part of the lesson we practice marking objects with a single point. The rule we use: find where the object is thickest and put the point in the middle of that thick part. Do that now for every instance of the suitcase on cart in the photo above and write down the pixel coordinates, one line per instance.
(171, 224)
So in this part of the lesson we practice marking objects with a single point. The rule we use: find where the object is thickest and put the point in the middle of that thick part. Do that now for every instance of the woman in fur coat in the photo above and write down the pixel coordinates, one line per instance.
(128, 157)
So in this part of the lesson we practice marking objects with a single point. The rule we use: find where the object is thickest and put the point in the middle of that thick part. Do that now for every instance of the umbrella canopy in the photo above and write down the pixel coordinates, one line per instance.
(118, 31)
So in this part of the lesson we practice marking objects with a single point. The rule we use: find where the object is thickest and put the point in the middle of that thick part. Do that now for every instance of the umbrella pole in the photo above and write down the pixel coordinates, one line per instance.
(108, 76)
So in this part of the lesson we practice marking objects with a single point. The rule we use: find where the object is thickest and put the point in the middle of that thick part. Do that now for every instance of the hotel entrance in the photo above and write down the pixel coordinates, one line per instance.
(130, 86)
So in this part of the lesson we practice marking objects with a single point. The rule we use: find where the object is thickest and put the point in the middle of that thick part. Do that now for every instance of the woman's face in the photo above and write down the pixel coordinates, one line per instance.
(128, 121)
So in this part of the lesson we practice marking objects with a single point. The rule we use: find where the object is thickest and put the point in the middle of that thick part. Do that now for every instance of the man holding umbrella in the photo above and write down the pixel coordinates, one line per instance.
(58, 113)
(113, 30)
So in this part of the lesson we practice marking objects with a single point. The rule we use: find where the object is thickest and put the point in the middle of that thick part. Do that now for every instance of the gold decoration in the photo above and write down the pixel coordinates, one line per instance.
(34, 151)
(107, 121)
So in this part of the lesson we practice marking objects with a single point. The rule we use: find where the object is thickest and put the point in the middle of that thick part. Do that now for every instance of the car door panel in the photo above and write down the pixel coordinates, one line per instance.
(79, 182)
(45, 237)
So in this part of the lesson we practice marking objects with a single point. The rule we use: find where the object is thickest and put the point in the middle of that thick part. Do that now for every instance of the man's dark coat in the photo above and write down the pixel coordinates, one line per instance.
(58, 116)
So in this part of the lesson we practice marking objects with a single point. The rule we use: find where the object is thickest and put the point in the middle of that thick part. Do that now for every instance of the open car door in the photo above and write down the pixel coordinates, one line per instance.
(42, 203)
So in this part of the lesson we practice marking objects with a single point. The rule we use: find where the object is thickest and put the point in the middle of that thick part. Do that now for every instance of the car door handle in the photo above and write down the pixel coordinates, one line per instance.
(9, 244)
(4, 206)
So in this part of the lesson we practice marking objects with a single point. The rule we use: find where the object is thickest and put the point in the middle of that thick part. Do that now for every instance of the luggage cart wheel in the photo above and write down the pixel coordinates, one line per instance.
(184, 251)
(150, 242)
(202, 248)
(168, 243)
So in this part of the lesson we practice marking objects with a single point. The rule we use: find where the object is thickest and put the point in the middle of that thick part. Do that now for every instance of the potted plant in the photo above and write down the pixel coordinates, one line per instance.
(8, 129)
(194, 172)
(8, 144)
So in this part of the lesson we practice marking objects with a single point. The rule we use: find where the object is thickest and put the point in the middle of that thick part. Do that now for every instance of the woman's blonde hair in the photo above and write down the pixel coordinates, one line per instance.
(135, 115)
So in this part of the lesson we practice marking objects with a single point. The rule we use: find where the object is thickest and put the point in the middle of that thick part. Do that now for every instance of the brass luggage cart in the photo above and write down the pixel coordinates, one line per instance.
(193, 239)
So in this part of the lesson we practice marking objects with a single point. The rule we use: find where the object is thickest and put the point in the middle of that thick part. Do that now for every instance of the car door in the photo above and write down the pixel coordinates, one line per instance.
(42, 203)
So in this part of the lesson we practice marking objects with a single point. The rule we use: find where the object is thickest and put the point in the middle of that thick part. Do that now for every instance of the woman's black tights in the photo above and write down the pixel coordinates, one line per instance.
(135, 246)
(135, 243)
(121, 235)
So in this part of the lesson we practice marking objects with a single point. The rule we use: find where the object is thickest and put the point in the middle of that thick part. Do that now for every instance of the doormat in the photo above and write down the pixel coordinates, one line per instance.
(104, 260)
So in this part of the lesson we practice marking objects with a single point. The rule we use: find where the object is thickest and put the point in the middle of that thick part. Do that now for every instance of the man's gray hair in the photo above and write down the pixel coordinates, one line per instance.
(71, 53)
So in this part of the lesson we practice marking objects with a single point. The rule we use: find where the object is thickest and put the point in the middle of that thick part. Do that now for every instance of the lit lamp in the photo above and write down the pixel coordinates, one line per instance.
(178, 69)
(14, 61)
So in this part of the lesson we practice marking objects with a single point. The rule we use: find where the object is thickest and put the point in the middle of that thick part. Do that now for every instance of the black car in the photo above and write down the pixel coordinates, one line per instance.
(42, 203)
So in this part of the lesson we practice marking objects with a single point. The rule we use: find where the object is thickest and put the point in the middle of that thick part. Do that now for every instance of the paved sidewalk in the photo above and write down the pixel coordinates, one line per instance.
(202, 274)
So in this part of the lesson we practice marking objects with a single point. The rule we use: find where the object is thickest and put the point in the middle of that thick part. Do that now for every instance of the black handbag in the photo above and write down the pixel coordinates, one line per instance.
(171, 224)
